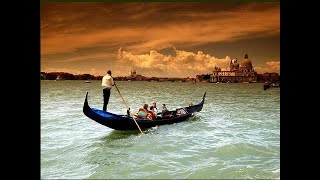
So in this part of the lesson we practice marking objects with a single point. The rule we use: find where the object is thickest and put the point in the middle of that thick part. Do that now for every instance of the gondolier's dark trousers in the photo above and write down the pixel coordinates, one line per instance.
(106, 96)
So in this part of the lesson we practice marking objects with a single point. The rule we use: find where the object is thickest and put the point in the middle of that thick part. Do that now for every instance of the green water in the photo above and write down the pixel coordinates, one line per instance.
(235, 136)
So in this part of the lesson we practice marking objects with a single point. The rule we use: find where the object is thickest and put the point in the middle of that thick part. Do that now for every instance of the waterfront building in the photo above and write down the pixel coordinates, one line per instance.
(238, 73)
(43, 75)
(271, 77)
(136, 77)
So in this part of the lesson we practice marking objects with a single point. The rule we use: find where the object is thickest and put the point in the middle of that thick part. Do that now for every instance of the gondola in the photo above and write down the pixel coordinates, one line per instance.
(125, 122)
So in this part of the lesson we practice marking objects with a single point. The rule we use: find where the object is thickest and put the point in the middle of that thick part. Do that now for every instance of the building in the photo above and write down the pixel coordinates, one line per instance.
(136, 77)
(271, 77)
(43, 75)
(242, 72)
(133, 73)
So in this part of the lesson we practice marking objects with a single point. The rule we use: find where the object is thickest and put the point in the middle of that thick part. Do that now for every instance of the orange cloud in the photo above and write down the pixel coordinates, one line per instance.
(183, 64)
(270, 66)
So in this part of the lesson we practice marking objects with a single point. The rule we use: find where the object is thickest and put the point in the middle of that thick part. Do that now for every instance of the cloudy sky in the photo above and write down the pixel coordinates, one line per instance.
(164, 39)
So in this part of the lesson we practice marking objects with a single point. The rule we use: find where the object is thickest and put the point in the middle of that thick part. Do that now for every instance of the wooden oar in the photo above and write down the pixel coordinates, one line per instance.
(127, 107)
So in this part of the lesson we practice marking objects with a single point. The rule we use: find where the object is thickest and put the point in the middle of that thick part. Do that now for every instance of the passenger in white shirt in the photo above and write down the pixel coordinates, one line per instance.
(107, 83)
(155, 109)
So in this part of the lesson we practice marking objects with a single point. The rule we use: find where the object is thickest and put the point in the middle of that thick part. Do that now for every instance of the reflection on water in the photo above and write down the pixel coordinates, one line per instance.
(115, 135)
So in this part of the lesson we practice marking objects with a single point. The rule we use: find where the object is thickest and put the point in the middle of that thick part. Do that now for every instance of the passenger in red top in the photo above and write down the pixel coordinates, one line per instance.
(142, 113)
(154, 114)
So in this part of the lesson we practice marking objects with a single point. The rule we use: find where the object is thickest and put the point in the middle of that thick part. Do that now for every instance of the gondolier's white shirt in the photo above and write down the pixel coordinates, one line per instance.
(107, 81)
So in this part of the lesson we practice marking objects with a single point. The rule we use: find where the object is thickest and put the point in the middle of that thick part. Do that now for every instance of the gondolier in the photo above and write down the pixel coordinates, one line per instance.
(107, 83)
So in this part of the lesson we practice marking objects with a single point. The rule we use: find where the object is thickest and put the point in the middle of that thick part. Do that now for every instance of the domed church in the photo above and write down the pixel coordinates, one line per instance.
(242, 72)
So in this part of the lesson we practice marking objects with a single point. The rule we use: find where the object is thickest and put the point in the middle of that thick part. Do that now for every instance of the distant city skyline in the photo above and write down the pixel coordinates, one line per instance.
(160, 39)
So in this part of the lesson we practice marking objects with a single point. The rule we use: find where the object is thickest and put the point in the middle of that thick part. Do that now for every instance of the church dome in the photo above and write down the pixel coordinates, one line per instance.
(246, 63)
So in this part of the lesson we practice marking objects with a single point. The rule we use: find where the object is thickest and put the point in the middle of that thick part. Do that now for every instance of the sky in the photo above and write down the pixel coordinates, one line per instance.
(161, 39)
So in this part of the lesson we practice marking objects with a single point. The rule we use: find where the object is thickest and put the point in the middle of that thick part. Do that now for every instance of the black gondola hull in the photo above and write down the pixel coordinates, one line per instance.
(121, 122)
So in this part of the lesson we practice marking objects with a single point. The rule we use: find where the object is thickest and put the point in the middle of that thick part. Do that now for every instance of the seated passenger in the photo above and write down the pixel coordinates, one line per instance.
(152, 109)
(164, 107)
(165, 112)
(142, 113)
(155, 109)
(150, 115)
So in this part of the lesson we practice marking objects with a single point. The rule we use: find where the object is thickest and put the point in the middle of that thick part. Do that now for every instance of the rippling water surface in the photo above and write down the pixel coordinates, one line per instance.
(236, 135)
